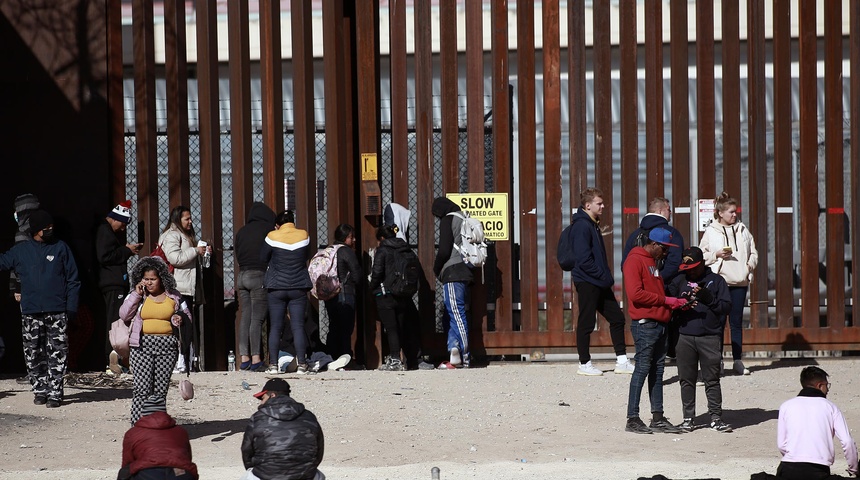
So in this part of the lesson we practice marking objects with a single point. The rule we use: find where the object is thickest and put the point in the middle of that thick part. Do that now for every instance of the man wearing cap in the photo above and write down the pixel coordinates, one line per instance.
(112, 253)
(282, 439)
(700, 344)
(650, 310)
(49, 296)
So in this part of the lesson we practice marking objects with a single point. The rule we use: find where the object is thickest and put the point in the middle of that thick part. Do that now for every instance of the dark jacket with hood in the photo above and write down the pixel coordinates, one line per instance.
(590, 253)
(286, 253)
(348, 269)
(669, 269)
(703, 319)
(156, 441)
(48, 274)
(449, 265)
(112, 255)
(251, 237)
(383, 263)
(283, 441)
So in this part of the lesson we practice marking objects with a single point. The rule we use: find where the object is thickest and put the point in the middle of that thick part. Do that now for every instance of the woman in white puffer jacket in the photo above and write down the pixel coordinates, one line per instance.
(729, 249)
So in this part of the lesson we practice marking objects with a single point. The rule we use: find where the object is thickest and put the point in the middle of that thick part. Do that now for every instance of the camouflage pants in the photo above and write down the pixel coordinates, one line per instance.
(45, 351)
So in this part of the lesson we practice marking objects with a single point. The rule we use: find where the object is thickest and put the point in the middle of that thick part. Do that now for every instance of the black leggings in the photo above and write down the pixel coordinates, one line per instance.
(399, 318)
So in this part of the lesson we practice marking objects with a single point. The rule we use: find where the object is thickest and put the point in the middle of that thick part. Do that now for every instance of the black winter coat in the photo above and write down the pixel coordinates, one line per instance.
(283, 441)
(251, 237)
(383, 263)
(349, 270)
(112, 255)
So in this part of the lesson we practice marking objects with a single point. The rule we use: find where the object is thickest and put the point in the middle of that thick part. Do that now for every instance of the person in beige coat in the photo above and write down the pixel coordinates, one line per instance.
(729, 249)
(180, 247)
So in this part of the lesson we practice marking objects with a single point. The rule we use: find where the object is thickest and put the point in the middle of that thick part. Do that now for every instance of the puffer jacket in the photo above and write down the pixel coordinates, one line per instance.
(181, 252)
(449, 265)
(130, 312)
(286, 253)
(283, 441)
(156, 441)
(737, 269)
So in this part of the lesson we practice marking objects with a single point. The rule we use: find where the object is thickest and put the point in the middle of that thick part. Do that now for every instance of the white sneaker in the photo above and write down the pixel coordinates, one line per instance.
(455, 356)
(589, 370)
(340, 362)
(740, 368)
(625, 367)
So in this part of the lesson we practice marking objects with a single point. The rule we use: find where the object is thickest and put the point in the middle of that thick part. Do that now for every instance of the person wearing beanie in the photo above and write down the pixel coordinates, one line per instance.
(112, 254)
(49, 298)
(283, 439)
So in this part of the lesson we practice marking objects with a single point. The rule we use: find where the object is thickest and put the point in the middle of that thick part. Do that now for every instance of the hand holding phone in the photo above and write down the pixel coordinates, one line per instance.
(140, 288)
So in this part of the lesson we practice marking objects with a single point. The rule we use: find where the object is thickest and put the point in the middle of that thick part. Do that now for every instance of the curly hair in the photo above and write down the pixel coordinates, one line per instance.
(157, 265)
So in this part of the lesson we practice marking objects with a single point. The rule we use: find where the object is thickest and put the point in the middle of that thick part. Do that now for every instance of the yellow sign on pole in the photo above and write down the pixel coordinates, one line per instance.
(369, 167)
(490, 208)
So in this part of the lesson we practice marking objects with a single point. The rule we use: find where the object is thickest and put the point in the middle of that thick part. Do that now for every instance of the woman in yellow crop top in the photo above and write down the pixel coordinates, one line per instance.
(156, 310)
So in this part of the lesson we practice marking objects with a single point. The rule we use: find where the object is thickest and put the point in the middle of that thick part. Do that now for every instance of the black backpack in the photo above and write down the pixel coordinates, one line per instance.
(402, 281)
(565, 251)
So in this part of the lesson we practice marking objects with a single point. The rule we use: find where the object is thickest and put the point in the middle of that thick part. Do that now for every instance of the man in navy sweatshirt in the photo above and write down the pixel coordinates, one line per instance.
(49, 296)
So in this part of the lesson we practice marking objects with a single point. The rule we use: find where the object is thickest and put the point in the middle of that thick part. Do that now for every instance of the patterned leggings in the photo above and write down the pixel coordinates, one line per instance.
(152, 363)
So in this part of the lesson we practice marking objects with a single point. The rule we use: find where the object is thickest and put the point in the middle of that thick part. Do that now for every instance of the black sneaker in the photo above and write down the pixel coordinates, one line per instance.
(719, 425)
(53, 403)
(40, 400)
(687, 425)
(636, 425)
(663, 425)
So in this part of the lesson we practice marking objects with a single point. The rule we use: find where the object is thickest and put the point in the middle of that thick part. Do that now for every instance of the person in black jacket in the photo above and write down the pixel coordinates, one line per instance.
(112, 253)
(283, 440)
(249, 285)
(341, 309)
(455, 277)
(700, 324)
(397, 313)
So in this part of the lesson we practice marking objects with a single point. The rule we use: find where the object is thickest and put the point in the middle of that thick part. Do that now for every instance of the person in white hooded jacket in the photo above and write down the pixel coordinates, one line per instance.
(729, 249)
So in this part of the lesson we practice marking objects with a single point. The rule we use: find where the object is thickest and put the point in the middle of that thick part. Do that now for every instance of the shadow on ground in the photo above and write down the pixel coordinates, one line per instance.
(221, 429)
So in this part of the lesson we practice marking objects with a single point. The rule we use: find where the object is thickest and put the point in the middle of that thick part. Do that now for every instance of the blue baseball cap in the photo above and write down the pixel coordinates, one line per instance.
(661, 236)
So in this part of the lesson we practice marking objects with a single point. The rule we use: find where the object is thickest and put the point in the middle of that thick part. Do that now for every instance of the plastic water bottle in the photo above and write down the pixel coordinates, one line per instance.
(434, 473)
(206, 260)
(231, 361)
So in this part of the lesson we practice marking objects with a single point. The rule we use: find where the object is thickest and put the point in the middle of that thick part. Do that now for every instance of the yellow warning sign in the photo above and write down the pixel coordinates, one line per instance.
(369, 167)
(490, 208)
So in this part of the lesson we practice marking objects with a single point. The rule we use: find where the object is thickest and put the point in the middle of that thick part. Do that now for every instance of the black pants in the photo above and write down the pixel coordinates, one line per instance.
(399, 318)
(341, 324)
(113, 300)
(702, 352)
(593, 299)
(803, 471)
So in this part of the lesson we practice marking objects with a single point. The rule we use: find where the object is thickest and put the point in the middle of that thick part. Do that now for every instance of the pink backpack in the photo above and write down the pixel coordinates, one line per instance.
(323, 273)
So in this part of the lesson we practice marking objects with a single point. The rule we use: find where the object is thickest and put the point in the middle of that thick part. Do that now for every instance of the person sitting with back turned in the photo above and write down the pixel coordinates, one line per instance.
(156, 448)
(805, 431)
(283, 441)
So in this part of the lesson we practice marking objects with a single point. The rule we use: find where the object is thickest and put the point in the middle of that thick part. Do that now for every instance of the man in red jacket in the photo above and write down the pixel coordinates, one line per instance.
(157, 448)
(650, 310)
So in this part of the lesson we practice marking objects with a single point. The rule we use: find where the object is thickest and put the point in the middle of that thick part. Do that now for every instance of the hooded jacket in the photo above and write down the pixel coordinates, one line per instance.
(398, 215)
(156, 441)
(589, 251)
(448, 265)
(703, 319)
(112, 255)
(250, 238)
(286, 253)
(283, 441)
(181, 252)
(673, 259)
(644, 287)
(737, 269)
(48, 275)
(383, 263)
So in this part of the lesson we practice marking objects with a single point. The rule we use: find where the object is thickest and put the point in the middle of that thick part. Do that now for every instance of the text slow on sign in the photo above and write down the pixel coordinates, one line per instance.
(490, 208)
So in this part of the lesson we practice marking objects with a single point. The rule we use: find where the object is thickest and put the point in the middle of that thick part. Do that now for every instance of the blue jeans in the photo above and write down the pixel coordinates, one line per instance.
(650, 339)
(296, 301)
(458, 323)
(736, 320)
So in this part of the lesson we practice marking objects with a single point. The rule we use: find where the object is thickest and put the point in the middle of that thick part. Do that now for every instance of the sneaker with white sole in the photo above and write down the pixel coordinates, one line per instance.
(687, 425)
(625, 367)
(304, 369)
(340, 362)
(717, 424)
(740, 369)
(589, 370)
(455, 356)
(273, 370)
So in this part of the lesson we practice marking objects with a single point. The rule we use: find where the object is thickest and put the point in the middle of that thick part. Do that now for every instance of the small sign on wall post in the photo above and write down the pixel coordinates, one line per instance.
(705, 212)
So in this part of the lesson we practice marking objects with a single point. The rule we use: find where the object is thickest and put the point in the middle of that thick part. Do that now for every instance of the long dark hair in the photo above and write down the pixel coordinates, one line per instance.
(342, 231)
(176, 219)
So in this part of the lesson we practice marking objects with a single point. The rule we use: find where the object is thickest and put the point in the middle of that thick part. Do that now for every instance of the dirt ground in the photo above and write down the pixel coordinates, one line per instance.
(505, 421)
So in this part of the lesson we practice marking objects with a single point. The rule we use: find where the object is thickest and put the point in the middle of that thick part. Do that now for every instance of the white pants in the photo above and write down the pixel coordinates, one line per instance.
(249, 475)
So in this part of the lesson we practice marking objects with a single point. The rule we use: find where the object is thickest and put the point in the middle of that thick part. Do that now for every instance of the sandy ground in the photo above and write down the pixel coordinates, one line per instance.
(505, 421)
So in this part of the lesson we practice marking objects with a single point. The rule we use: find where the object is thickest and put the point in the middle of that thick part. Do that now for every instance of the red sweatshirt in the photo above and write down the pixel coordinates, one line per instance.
(644, 287)
(156, 441)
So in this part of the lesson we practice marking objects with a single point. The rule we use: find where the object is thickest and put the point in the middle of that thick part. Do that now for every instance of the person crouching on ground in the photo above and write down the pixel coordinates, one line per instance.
(650, 310)
(805, 431)
(282, 439)
(700, 343)
(156, 311)
(156, 448)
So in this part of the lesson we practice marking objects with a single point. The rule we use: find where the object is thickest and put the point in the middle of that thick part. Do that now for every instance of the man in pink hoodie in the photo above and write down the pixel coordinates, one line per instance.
(805, 431)
(650, 310)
